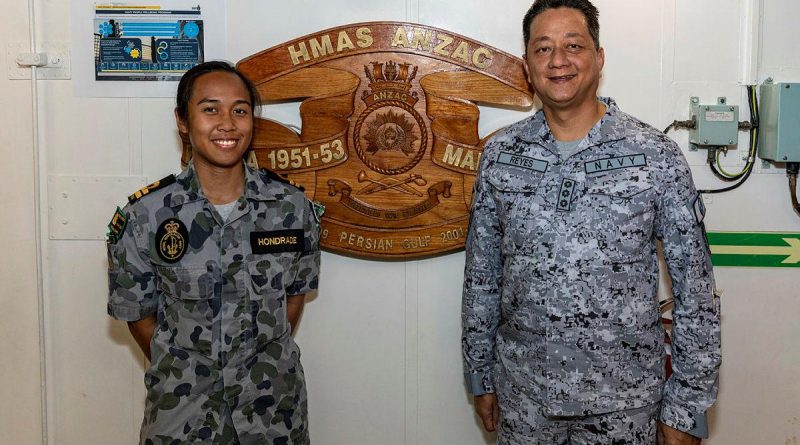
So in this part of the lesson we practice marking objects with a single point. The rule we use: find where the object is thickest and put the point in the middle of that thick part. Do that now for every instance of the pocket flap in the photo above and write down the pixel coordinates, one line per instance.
(267, 275)
(514, 181)
(186, 282)
(620, 185)
(625, 191)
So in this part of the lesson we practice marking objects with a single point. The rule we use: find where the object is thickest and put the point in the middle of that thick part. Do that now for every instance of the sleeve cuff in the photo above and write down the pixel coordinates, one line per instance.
(479, 383)
(128, 313)
(303, 286)
(307, 279)
(685, 420)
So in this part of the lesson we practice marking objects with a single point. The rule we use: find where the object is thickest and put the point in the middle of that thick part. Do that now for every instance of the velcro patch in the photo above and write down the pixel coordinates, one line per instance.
(615, 163)
(565, 194)
(277, 241)
(117, 226)
(537, 165)
(699, 209)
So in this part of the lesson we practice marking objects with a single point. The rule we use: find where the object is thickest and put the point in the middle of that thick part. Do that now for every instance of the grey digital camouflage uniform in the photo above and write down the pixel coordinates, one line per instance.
(629, 427)
(560, 300)
(224, 364)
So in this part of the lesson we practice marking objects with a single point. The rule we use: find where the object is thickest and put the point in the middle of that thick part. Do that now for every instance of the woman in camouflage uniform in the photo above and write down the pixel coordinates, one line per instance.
(210, 269)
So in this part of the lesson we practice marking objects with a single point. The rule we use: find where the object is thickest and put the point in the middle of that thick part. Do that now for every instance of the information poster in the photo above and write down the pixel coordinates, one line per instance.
(141, 49)
(146, 42)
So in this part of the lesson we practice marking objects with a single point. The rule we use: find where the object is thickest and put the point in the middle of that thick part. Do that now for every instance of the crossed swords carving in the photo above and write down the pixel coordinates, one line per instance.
(401, 185)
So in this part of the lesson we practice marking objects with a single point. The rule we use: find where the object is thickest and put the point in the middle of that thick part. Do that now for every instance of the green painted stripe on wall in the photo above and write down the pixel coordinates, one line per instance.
(750, 261)
(749, 238)
(748, 249)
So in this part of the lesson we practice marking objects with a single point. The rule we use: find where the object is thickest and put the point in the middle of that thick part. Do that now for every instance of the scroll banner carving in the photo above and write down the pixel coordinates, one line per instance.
(389, 140)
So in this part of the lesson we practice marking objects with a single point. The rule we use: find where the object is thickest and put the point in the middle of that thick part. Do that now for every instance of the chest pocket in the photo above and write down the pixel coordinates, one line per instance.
(189, 305)
(269, 275)
(518, 203)
(621, 206)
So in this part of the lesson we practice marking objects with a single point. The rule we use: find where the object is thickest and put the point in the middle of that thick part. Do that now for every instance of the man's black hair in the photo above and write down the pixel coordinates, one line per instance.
(585, 7)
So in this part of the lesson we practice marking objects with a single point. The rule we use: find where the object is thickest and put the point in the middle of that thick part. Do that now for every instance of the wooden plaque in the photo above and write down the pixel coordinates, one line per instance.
(389, 140)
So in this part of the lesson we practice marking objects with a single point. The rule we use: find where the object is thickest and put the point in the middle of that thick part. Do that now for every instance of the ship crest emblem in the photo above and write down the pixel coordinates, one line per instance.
(390, 137)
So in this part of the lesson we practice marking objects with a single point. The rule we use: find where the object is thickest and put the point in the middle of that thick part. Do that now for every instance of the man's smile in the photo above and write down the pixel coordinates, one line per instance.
(562, 79)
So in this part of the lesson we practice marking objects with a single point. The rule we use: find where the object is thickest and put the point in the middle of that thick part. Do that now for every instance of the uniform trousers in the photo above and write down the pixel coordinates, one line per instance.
(533, 427)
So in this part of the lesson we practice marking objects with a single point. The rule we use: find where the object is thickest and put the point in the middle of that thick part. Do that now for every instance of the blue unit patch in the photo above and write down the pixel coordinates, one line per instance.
(699, 209)
(525, 162)
(615, 163)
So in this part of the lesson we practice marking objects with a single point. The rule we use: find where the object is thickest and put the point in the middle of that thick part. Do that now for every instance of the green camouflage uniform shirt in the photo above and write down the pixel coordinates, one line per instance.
(225, 368)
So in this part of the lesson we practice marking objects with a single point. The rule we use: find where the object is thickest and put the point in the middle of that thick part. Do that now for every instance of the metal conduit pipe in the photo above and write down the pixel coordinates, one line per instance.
(40, 220)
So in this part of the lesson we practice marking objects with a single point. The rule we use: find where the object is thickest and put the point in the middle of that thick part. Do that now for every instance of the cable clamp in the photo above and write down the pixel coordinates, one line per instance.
(31, 59)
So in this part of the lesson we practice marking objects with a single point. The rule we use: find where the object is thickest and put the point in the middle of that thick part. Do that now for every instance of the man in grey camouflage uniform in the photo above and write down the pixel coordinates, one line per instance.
(562, 338)
(211, 291)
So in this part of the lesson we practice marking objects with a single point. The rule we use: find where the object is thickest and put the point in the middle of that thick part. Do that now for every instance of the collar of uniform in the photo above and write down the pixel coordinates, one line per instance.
(188, 187)
(258, 188)
(189, 190)
(536, 130)
(608, 129)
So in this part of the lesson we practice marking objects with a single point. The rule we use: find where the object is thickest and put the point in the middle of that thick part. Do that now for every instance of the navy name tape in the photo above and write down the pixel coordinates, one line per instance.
(615, 163)
(525, 162)
(277, 241)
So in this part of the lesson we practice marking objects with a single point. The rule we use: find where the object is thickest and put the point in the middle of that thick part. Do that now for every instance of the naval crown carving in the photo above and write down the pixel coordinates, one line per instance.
(390, 81)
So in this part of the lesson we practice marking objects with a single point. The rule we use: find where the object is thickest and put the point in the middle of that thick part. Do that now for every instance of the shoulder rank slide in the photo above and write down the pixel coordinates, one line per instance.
(272, 175)
(151, 188)
(117, 226)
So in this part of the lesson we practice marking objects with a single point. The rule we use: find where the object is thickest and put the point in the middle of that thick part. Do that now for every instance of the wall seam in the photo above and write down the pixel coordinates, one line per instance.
(411, 427)
(667, 61)
(411, 378)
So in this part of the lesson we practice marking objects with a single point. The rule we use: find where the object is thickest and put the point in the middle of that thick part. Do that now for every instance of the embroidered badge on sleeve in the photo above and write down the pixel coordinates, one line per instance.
(117, 226)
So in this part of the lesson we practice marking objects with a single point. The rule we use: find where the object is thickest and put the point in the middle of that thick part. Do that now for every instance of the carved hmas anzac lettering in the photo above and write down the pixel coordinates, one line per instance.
(389, 140)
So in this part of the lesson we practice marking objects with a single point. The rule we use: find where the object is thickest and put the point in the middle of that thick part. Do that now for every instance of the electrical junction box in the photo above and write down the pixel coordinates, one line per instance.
(779, 122)
(715, 125)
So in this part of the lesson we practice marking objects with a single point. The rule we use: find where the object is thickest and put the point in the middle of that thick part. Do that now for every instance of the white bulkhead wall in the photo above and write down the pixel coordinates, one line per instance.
(381, 341)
